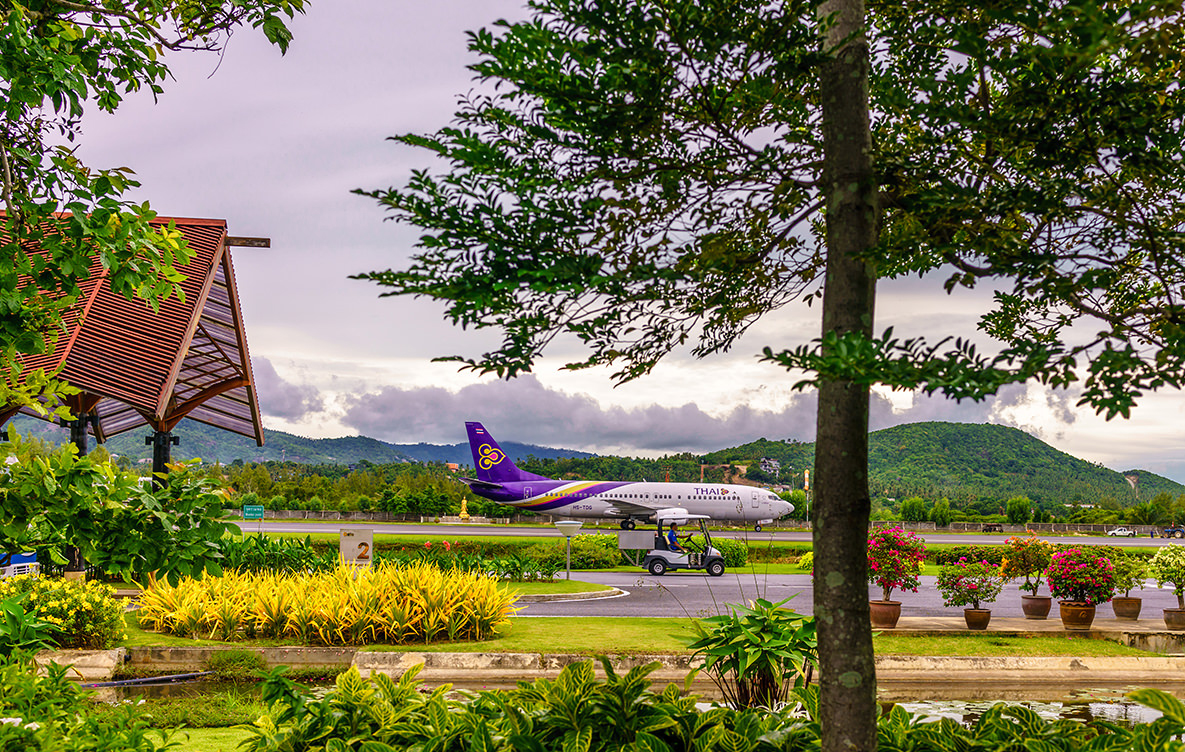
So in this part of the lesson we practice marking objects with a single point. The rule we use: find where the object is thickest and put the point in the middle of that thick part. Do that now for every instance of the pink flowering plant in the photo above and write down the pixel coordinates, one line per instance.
(969, 583)
(1081, 576)
(895, 560)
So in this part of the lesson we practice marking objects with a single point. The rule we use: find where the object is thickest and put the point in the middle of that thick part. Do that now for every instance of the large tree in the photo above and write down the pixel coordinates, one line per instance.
(650, 173)
(57, 57)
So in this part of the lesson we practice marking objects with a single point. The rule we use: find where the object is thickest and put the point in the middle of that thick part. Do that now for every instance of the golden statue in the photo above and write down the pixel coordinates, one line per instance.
(464, 510)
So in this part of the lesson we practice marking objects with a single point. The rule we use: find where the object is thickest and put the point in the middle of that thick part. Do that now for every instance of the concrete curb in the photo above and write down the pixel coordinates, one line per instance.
(587, 595)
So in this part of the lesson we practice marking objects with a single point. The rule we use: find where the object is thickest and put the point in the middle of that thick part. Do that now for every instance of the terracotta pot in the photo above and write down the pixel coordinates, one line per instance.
(885, 613)
(1076, 616)
(977, 618)
(1036, 606)
(1174, 618)
(1127, 609)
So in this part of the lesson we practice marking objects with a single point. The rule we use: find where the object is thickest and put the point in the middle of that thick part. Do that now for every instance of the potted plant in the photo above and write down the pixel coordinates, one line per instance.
(894, 562)
(1080, 579)
(1028, 557)
(970, 584)
(1168, 566)
(1129, 573)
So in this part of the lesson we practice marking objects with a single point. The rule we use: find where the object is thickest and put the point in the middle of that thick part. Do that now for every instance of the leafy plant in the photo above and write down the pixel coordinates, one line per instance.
(755, 655)
(895, 560)
(806, 562)
(1130, 572)
(969, 584)
(20, 630)
(76, 614)
(1081, 576)
(1026, 557)
(1168, 566)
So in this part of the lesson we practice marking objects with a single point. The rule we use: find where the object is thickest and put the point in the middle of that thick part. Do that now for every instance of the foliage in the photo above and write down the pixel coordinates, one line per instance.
(914, 509)
(1081, 576)
(58, 58)
(807, 561)
(235, 665)
(19, 629)
(261, 553)
(1019, 509)
(1130, 572)
(1026, 557)
(78, 614)
(895, 560)
(969, 584)
(940, 513)
(621, 713)
(1168, 566)
(734, 552)
(347, 606)
(120, 525)
(50, 712)
(755, 655)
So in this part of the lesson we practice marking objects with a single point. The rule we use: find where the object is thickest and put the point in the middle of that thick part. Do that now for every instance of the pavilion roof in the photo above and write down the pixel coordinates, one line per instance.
(189, 359)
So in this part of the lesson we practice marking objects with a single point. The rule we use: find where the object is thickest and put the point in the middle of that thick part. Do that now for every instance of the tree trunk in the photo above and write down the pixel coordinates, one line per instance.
(848, 676)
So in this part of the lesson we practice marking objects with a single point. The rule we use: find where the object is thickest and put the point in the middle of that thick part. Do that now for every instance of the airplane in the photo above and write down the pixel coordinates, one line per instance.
(499, 479)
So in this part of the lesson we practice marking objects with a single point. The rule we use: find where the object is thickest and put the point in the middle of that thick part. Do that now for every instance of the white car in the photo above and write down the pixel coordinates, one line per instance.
(1123, 531)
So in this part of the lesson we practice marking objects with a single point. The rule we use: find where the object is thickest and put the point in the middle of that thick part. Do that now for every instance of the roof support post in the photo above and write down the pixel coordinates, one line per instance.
(162, 443)
(75, 566)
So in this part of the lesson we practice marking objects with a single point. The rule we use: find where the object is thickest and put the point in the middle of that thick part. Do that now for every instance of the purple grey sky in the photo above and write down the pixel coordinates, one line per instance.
(274, 145)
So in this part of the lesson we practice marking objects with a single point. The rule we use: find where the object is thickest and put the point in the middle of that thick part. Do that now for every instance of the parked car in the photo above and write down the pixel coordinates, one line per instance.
(1123, 532)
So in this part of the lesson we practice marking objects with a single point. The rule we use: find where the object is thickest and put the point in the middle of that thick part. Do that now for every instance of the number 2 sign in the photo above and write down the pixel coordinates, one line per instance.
(357, 547)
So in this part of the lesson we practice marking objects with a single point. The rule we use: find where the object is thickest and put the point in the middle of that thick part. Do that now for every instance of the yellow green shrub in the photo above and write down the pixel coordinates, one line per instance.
(345, 606)
(81, 614)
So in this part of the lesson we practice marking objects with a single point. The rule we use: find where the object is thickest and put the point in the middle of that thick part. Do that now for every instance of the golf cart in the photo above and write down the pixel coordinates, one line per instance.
(698, 554)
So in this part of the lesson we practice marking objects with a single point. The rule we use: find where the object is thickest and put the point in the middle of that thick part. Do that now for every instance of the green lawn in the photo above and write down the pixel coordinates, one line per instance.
(207, 739)
(994, 646)
(556, 587)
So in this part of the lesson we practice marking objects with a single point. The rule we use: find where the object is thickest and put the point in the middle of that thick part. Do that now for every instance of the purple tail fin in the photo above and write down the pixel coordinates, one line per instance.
(491, 463)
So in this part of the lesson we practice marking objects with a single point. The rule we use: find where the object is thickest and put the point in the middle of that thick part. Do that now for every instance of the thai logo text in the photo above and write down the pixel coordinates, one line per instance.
(490, 456)
(711, 491)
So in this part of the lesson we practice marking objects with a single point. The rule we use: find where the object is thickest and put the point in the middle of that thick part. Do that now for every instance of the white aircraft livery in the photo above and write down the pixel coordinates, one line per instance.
(500, 480)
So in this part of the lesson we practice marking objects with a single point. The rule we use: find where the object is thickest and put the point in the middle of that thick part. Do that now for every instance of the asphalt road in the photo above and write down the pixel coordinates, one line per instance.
(697, 595)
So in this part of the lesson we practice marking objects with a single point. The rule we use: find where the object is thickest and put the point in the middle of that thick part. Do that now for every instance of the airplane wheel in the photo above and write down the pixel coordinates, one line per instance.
(625, 524)
(657, 567)
(757, 528)
(630, 524)
(716, 568)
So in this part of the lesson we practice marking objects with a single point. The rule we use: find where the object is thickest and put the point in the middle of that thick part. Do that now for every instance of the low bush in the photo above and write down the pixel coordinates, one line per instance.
(735, 552)
(621, 712)
(51, 712)
(260, 553)
(386, 603)
(951, 554)
(78, 614)
(806, 562)
(235, 665)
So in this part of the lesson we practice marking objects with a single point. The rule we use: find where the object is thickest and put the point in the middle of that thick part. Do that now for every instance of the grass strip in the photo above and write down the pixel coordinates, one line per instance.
(556, 587)
(207, 739)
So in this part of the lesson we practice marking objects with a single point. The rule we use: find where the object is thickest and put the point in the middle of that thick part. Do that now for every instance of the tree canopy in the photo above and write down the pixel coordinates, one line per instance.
(57, 57)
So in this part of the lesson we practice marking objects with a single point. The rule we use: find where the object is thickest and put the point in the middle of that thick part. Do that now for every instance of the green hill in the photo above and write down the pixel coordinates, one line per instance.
(965, 462)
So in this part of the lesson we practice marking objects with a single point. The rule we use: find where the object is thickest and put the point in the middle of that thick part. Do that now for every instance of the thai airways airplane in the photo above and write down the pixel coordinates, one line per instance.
(499, 479)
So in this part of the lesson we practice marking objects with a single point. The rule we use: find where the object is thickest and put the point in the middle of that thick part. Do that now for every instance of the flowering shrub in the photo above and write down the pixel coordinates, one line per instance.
(1026, 557)
(1081, 576)
(895, 560)
(79, 614)
(1168, 565)
(807, 561)
(1130, 572)
(963, 584)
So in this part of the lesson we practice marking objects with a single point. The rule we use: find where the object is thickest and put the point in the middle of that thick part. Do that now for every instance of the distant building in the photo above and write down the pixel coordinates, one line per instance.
(770, 465)
(452, 466)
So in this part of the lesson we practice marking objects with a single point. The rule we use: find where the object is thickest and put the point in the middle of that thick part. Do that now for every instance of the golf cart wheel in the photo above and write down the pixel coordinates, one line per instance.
(657, 567)
(757, 528)
(716, 568)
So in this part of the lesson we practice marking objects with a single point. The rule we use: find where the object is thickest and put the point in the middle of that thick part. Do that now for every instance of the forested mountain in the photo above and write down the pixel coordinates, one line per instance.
(214, 445)
(965, 462)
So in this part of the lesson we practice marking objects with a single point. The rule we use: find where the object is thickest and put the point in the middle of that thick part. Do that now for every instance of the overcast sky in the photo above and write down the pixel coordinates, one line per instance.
(274, 145)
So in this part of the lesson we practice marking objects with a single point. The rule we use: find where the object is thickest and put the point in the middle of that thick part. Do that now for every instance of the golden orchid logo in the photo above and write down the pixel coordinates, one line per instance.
(490, 456)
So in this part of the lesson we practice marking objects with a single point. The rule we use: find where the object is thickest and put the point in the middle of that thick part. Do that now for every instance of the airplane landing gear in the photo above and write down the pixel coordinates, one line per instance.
(757, 528)
(628, 524)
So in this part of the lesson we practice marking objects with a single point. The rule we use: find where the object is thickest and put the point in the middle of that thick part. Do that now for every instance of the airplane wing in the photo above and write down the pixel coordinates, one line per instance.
(475, 483)
(624, 509)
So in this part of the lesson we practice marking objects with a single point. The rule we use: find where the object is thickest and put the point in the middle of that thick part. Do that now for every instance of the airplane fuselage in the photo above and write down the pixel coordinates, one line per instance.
(622, 499)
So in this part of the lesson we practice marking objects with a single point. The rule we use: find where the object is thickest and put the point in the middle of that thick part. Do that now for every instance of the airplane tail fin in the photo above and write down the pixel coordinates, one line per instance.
(492, 464)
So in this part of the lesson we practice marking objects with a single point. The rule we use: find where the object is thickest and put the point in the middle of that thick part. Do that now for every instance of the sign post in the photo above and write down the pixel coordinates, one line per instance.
(254, 512)
(357, 547)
